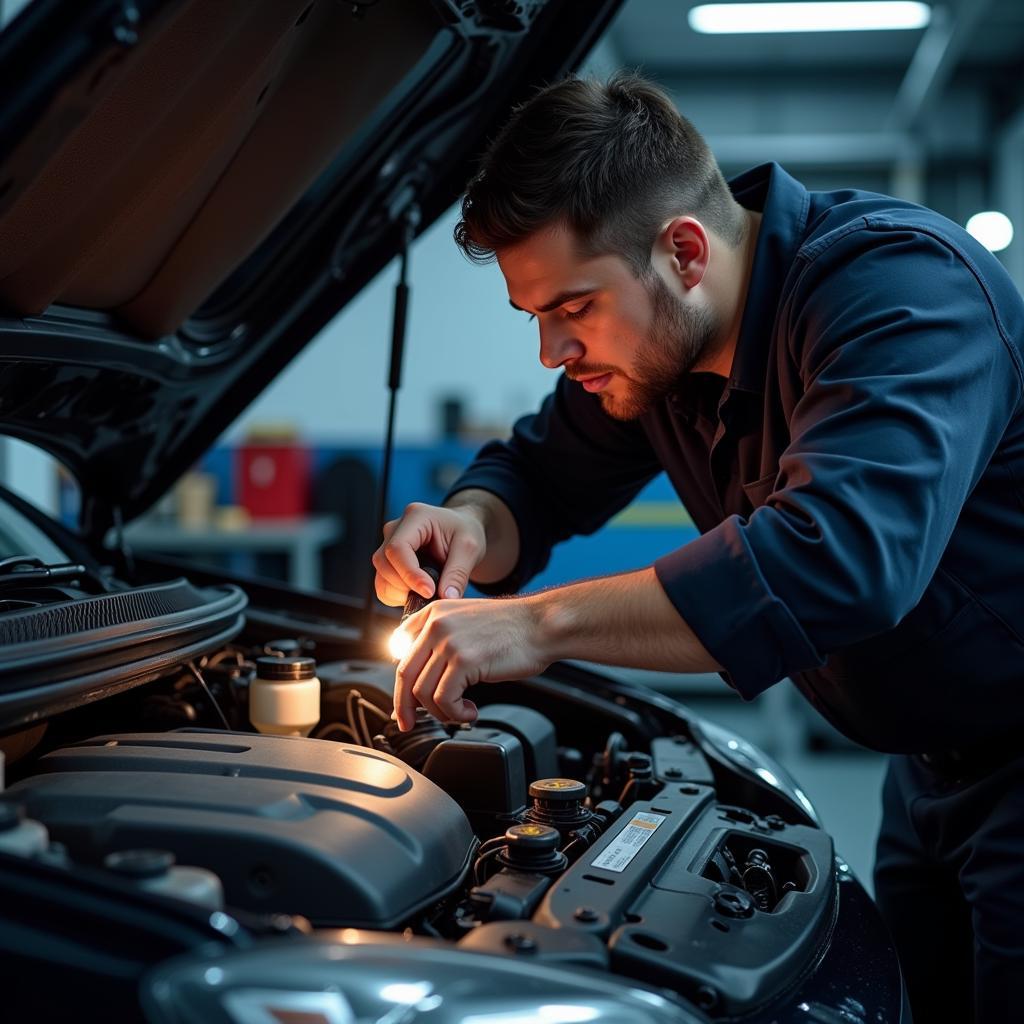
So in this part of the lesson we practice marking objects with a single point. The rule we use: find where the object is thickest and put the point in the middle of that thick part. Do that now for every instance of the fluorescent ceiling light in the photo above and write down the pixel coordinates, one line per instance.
(993, 229)
(810, 16)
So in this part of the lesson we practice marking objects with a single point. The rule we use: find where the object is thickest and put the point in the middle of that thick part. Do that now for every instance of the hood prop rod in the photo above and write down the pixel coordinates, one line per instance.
(120, 543)
(410, 221)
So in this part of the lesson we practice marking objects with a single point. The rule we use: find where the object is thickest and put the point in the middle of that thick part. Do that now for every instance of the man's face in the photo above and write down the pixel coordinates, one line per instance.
(630, 341)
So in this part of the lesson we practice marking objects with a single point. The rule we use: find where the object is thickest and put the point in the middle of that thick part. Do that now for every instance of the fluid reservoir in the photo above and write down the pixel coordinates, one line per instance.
(558, 803)
(20, 835)
(284, 698)
(155, 871)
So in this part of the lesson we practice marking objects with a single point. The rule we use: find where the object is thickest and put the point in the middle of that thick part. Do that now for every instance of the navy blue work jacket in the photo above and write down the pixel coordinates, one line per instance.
(858, 481)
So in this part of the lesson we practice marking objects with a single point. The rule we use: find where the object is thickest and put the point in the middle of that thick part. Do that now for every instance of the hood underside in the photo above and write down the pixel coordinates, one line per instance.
(190, 190)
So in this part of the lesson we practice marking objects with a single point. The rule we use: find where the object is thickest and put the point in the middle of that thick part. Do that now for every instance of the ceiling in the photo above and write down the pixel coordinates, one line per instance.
(919, 113)
(656, 34)
(934, 115)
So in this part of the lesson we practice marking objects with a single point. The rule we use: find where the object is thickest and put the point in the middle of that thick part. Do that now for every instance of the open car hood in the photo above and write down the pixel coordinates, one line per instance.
(190, 190)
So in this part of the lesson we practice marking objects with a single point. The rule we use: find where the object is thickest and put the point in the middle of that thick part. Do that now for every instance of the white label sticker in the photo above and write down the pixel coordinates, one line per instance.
(628, 842)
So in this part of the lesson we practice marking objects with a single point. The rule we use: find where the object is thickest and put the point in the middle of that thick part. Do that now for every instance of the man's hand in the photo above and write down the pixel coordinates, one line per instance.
(455, 537)
(457, 644)
(617, 620)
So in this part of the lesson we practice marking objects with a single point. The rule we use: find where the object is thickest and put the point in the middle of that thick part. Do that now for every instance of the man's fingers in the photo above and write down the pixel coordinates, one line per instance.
(391, 590)
(402, 557)
(405, 706)
(388, 593)
(420, 528)
(389, 585)
(405, 702)
(463, 556)
(394, 580)
(448, 695)
(423, 688)
(406, 673)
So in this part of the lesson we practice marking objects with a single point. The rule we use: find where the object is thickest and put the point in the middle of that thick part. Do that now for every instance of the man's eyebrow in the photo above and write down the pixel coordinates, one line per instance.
(558, 300)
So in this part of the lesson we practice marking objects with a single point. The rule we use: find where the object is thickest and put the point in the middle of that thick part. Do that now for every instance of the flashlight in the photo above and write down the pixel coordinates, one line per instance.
(401, 641)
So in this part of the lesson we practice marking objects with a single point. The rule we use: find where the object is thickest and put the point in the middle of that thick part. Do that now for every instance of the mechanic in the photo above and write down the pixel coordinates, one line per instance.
(833, 383)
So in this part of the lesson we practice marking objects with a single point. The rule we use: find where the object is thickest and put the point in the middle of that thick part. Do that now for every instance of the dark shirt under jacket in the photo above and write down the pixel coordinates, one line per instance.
(858, 481)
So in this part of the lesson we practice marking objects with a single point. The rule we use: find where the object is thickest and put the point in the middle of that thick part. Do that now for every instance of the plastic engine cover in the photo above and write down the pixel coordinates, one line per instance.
(340, 834)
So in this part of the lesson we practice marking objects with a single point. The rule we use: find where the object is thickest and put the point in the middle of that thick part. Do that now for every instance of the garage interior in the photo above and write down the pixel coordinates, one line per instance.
(933, 115)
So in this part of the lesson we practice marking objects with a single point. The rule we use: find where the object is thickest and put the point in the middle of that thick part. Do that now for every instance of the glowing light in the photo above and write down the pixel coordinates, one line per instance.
(648, 997)
(805, 803)
(567, 1014)
(213, 975)
(993, 229)
(548, 1014)
(400, 644)
(855, 16)
(406, 993)
(222, 923)
(768, 776)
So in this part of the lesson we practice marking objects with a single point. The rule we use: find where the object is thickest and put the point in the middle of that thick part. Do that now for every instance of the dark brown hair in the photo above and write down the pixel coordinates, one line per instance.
(611, 160)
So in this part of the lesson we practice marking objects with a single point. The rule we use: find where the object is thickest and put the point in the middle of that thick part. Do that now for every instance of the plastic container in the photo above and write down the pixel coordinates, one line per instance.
(273, 477)
(284, 698)
(155, 871)
(20, 835)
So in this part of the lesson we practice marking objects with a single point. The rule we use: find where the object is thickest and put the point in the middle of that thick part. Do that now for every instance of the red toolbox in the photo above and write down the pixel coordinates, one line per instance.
(273, 476)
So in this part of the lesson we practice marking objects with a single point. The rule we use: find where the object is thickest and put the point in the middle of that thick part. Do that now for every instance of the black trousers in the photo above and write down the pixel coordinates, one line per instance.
(949, 880)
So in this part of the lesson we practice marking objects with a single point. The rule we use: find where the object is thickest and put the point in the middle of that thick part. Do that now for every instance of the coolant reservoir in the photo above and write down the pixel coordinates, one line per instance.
(20, 835)
(155, 871)
(284, 698)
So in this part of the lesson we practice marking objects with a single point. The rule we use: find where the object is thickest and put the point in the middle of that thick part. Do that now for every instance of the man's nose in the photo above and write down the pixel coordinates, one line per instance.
(558, 346)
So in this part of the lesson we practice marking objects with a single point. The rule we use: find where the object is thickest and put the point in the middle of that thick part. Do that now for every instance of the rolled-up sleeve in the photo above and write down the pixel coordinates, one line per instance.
(565, 470)
(909, 381)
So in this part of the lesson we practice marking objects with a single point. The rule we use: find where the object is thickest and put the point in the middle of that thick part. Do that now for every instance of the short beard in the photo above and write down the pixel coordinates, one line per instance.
(679, 335)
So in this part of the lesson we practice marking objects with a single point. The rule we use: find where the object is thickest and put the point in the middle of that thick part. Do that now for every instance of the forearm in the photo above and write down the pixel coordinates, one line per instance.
(502, 533)
(622, 620)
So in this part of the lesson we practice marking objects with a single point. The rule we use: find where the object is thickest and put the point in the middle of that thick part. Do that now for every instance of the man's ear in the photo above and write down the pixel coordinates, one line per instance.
(685, 241)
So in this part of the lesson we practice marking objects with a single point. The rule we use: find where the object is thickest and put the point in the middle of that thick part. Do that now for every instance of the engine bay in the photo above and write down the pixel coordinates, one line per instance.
(568, 825)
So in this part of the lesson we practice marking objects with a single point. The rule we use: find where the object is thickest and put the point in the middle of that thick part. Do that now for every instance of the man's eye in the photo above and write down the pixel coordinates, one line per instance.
(580, 313)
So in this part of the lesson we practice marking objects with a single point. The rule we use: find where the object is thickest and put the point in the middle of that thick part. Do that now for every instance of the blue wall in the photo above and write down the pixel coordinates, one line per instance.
(654, 524)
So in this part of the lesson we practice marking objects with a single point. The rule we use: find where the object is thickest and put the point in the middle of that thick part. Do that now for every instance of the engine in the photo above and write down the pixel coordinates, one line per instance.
(530, 834)
(339, 834)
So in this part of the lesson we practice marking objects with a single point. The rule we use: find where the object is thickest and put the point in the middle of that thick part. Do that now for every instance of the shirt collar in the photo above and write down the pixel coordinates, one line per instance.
(783, 203)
